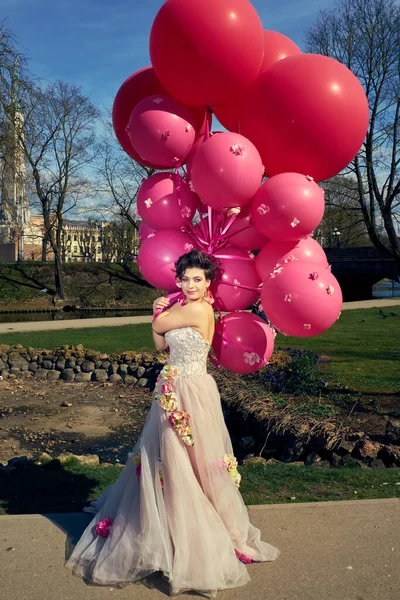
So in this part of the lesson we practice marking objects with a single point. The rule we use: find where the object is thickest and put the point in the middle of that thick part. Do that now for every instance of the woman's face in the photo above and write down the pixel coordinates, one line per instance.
(194, 284)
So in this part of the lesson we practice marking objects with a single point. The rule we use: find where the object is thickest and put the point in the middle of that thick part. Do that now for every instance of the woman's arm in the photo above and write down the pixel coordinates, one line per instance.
(159, 341)
(189, 315)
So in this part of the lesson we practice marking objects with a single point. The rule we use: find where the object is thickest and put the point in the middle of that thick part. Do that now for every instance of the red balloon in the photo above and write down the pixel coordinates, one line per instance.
(248, 239)
(243, 342)
(236, 268)
(203, 50)
(157, 255)
(276, 47)
(274, 252)
(135, 88)
(302, 299)
(307, 114)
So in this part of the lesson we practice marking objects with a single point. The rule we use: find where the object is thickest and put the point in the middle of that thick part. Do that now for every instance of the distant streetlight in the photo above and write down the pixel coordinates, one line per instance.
(336, 237)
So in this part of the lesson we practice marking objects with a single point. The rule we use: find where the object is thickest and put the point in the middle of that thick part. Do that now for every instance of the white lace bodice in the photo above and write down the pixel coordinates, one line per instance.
(188, 351)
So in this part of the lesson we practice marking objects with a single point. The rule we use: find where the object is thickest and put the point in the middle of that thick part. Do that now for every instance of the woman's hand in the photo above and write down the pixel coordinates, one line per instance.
(161, 302)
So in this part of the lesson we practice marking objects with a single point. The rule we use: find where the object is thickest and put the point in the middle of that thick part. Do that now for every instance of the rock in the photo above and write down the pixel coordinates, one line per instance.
(41, 374)
(15, 371)
(322, 463)
(140, 372)
(77, 369)
(130, 380)
(80, 361)
(70, 363)
(81, 377)
(296, 463)
(335, 460)
(123, 370)
(60, 364)
(47, 364)
(87, 366)
(113, 368)
(349, 461)
(105, 365)
(390, 455)
(376, 463)
(255, 460)
(68, 375)
(366, 450)
(272, 461)
(2, 365)
(16, 360)
(132, 370)
(44, 457)
(311, 458)
(33, 366)
(4, 374)
(114, 378)
(393, 430)
(53, 375)
(99, 375)
(39, 359)
(346, 447)
(355, 435)
(20, 462)
(26, 374)
(65, 403)
(142, 382)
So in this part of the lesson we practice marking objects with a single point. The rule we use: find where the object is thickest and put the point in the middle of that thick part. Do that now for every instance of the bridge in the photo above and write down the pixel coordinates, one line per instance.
(358, 269)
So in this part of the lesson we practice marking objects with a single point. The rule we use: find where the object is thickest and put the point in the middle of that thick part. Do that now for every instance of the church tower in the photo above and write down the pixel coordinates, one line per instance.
(14, 209)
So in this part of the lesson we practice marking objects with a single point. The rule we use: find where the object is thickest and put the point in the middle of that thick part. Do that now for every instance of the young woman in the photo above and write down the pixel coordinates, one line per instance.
(176, 507)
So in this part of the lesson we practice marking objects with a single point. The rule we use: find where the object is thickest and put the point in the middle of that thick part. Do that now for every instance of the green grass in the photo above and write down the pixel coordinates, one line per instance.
(362, 355)
(53, 487)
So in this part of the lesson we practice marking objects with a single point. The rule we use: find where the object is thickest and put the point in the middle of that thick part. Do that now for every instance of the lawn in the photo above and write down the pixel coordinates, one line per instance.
(362, 349)
(53, 487)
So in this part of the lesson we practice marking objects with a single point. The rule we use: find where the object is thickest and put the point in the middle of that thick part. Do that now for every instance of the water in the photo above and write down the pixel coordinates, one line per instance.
(386, 289)
(62, 315)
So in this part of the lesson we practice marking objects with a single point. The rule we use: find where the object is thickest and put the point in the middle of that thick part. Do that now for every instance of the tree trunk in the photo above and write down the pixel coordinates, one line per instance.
(58, 276)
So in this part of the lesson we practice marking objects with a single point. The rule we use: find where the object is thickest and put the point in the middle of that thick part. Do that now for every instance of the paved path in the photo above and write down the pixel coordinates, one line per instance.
(121, 321)
(329, 551)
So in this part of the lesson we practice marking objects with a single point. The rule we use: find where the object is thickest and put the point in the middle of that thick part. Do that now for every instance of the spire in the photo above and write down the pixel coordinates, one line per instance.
(14, 88)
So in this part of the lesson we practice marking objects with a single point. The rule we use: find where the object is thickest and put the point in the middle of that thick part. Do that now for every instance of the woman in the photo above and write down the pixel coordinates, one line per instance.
(176, 507)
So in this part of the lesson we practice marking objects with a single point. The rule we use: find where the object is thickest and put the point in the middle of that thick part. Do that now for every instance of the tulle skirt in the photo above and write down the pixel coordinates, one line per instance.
(175, 508)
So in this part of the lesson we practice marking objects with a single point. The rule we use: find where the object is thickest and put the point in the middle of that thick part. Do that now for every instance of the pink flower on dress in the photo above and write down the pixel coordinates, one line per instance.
(167, 388)
(103, 527)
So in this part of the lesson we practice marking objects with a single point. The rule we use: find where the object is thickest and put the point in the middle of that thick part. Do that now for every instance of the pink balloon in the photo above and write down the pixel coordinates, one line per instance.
(274, 252)
(197, 144)
(236, 267)
(302, 299)
(144, 231)
(161, 130)
(226, 171)
(243, 342)
(306, 114)
(276, 47)
(157, 255)
(248, 239)
(165, 201)
(288, 207)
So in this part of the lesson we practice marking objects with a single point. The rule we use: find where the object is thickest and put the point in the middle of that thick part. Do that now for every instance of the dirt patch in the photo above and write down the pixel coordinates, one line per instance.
(105, 419)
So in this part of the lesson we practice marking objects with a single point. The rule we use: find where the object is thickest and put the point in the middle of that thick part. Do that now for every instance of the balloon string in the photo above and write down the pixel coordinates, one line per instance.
(178, 186)
(228, 225)
(238, 231)
(236, 257)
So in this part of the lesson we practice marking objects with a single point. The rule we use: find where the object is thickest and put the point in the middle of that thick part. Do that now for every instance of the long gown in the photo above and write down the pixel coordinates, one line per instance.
(176, 507)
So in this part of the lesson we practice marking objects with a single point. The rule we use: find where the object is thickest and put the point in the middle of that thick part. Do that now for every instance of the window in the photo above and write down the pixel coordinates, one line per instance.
(75, 238)
(99, 250)
(99, 238)
(69, 238)
(75, 248)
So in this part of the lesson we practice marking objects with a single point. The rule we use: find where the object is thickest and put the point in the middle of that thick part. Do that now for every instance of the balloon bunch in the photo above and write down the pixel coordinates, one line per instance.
(294, 119)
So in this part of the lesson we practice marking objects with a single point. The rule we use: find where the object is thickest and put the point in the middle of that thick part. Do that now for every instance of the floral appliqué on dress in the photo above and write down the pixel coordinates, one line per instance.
(229, 464)
(167, 399)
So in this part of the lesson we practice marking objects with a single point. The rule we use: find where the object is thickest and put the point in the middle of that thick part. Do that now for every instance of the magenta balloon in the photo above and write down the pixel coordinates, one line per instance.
(236, 267)
(144, 231)
(273, 253)
(243, 342)
(306, 114)
(302, 299)
(203, 50)
(288, 207)
(226, 171)
(161, 130)
(157, 255)
(165, 201)
(248, 239)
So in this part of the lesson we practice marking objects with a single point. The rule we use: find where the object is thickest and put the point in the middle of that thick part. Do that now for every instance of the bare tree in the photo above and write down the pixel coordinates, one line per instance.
(58, 141)
(119, 241)
(365, 36)
(119, 178)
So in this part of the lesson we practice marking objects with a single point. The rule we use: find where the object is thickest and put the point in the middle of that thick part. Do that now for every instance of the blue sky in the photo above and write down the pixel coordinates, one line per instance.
(98, 43)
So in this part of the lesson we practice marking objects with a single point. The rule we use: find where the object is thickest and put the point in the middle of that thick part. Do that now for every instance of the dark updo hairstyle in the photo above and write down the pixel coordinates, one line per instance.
(196, 259)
